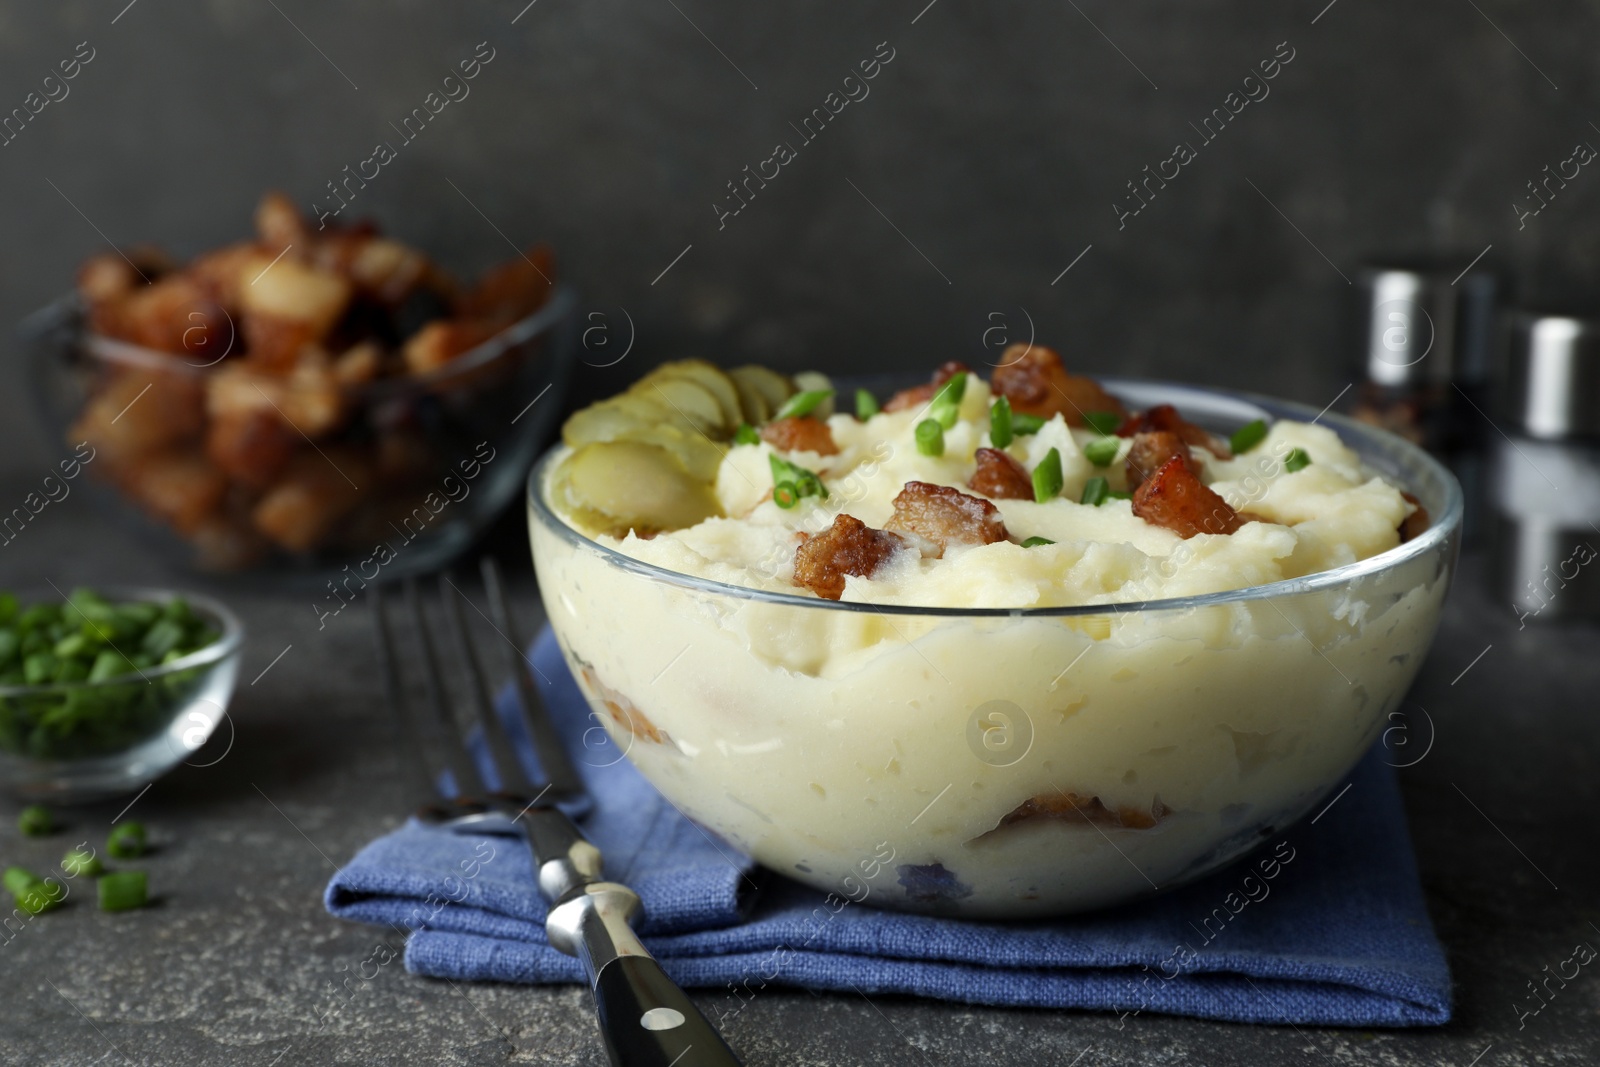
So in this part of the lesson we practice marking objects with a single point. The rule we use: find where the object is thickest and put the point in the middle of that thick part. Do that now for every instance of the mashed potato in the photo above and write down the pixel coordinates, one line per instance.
(1016, 764)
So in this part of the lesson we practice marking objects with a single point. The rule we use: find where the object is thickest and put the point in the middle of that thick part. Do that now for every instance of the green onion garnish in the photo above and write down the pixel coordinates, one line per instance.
(1114, 495)
(930, 437)
(946, 403)
(1248, 436)
(1101, 452)
(1298, 459)
(82, 861)
(41, 897)
(785, 495)
(19, 880)
(1095, 491)
(866, 405)
(123, 891)
(1047, 477)
(802, 481)
(126, 841)
(1021, 424)
(35, 821)
(746, 435)
(1104, 423)
(1000, 421)
(1035, 542)
(802, 403)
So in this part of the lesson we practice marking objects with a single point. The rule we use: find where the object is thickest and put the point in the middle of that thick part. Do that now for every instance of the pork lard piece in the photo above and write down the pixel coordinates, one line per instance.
(804, 434)
(944, 516)
(1150, 452)
(1000, 477)
(848, 547)
(1177, 500)
(1034, 380)
(919, 395)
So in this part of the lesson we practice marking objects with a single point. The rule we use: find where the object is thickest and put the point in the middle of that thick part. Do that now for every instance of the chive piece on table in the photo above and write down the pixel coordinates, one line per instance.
(1298, 459)
(866, 405)
(126, 841)
(1104, 423)
(802, 404)
(1047, 477)
(1095, 491)
(1000, 433)
(1035, 542)
(35, 821)
(82, 861)
(41, 897)
(930, 437)
(1102, 451)
(123, 891)
(1248, 436)
(18, 880)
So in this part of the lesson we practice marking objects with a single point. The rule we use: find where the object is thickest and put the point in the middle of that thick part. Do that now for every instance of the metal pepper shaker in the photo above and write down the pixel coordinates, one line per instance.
(1544, 482)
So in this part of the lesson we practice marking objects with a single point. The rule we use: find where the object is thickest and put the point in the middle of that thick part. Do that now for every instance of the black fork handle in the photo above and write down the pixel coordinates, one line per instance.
(647, 1021)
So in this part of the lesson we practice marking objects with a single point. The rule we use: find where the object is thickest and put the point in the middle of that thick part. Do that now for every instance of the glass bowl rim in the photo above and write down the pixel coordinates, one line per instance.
(561, 301)
(1440, 531)
(229, 642)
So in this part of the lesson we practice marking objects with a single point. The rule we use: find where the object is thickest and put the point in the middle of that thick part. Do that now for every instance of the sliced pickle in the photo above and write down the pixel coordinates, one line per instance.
(691, 401)
(615, 486)
(700, 456)
(774, 387)
(713, 378)
(751, 402)
(610, 419)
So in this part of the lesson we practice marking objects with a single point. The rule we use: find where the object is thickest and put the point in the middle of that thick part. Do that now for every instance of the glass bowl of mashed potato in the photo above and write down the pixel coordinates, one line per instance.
(1027, 668)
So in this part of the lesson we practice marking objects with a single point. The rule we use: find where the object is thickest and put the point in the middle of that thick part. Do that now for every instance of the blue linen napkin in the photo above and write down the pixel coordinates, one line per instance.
(1337, 935)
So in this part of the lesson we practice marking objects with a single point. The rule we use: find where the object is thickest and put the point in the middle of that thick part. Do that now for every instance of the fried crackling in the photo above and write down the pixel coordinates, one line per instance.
(1000, 477)
(1174, 498)
(1034, 380)
(802, 434)
(848, 547)
(945, 516)
(918, 395)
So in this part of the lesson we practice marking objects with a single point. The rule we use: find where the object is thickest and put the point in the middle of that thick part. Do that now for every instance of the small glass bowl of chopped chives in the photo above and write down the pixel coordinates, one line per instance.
(106, 690)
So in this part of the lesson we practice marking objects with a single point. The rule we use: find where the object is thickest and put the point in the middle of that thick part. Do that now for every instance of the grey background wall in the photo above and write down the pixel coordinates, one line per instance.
(987, 157)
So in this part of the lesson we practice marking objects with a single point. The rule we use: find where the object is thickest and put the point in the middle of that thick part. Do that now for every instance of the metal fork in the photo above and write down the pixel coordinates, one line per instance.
(645, 1019)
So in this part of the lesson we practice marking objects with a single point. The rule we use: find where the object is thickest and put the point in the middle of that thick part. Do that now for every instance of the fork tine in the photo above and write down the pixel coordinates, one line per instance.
(508, 768)
(419, 777)
(547, 744)
(462, 768)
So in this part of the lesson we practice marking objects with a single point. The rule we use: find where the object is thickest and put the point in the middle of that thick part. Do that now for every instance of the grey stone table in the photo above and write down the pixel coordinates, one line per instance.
(237, 962)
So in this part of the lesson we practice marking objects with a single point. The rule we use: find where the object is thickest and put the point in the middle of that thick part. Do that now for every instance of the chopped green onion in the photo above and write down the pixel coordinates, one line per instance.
(123, 891)
(1248, 436)
(802, 403)
(126, 841)
(1298, 459)
(41, 897)
(19, 880)
(1104, 423)
(1000, 434)
(746, 435)
(946, 403)
(1114, 495)
(1103, 451)
(866, 405)
(1095, 491)
(1021, 424)
(1035, 542)
(81, 861)
(802, 481)
(930, 437)
(1047, 477)
(785, 495)
(35, 821)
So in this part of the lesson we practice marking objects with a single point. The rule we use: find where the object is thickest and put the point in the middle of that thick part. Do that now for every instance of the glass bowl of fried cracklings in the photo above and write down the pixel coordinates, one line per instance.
(308, 397)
